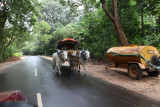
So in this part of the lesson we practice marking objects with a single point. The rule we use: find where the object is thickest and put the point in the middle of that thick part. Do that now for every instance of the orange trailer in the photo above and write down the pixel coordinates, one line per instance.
(136, 58)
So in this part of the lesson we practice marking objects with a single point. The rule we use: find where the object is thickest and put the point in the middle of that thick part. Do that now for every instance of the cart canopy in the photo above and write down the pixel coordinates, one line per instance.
(67, 44)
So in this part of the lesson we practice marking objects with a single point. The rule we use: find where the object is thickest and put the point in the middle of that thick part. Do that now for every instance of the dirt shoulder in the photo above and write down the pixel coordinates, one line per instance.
(10, 61)
(147, 86)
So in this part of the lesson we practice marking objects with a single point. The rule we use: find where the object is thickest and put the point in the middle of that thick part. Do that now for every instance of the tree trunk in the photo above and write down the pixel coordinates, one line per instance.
(3, 18)
(121, 36)
(115, 20)
(3, 55)
(142, 23)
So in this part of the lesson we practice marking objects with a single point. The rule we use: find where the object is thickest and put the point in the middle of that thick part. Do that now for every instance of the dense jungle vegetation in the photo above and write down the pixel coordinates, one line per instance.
(30, 27)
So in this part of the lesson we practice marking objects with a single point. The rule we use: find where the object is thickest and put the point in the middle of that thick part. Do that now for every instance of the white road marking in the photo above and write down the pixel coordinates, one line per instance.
(39, 100)
(35, 72)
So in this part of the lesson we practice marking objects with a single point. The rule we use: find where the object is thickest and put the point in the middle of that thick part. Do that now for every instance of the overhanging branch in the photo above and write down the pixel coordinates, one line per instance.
(11, 41)
(104, 6)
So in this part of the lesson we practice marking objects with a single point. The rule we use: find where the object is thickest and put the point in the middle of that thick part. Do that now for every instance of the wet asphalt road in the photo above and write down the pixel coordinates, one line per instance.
(35, 75)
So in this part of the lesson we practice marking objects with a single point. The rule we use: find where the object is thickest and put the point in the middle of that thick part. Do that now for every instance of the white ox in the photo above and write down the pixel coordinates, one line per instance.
(58, 59)
(84, 56)
(77, 58)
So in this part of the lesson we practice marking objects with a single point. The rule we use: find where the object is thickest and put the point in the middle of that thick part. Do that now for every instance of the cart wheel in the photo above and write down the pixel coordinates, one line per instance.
(134, 72)
(155, 73)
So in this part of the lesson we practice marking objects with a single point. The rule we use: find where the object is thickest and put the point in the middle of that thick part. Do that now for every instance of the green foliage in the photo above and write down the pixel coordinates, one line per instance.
(91, 27)
(40, 40)
(55, 14)
(16, 19)
(129, 20)
(43, 27)
(50, 28)
(151, 27)
(68, 31)
(29, 48)
(46, 38)
(97, 35)
(18, 54)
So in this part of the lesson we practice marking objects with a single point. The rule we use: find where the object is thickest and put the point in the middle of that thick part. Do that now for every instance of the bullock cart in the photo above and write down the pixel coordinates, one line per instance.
(136, 58)
(70, 45)
(75, 57)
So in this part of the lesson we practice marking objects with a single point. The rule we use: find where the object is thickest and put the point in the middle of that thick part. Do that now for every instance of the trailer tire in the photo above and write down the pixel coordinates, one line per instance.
(155, 73)
(134, 72)
(154, 60)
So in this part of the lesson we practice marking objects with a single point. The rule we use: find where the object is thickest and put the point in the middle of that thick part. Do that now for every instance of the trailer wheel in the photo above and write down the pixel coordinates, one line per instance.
(134, 71)
(155, 73)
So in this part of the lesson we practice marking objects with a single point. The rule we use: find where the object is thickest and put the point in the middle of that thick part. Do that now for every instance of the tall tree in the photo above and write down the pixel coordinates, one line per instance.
(113, 16)
(42, 34)
(148, 12)
(142, 22)
(55, 14)
(16, 18)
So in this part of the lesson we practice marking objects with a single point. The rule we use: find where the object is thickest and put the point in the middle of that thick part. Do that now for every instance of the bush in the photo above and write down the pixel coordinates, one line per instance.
(18, 54)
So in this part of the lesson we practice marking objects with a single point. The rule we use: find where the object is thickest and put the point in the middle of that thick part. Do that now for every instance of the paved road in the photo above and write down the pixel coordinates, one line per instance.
(37, 80)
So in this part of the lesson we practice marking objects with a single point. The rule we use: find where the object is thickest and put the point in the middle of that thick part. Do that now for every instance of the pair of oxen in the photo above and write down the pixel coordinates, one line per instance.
(74, 57)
